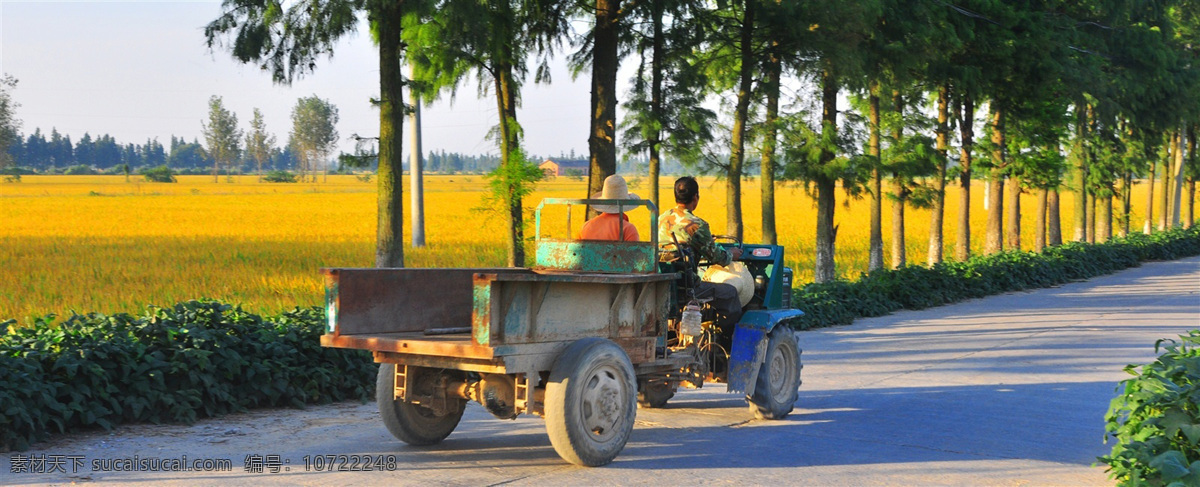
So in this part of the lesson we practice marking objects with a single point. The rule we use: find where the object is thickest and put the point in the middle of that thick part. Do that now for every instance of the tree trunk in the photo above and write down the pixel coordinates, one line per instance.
(1148, 226)
(389, 237)
(900, 191)
(774, 70)
(1177, 179)
(1164, 189)
(966, 122)
(602, 139)
(1119, 195)
(826, 231)
(875, 253)
(938, 214)
(1190, 195)
(1013, 228)
(1126, 202)
(506, 102)
(656, 101)
(899, 259)
(1039, 236)
(994, 240)
(1054, 220)
(737, 139)
(1090, 223)
(415, 177)
(1079, 154)
(1104, 233)
(1189, 208)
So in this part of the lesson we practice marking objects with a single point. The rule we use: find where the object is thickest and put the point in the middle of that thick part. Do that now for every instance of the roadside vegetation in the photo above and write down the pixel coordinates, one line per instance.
(917, 287)
(1155, 421)
(193, 360)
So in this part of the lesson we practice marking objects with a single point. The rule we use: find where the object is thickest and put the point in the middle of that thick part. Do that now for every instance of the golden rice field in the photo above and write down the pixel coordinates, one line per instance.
(99, 243)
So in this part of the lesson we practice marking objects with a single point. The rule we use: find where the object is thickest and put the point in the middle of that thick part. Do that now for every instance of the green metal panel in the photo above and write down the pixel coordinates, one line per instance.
(481, 315)
(514, 309)
(596, 256)
(331, 302)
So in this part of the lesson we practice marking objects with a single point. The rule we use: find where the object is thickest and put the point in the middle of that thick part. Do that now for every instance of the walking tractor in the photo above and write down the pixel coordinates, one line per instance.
(590, 332)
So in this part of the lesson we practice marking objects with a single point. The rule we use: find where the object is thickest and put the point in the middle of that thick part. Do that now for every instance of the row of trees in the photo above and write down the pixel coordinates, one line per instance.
(37, 152)
(1043, 95)
(312, 140)
(453, 162)
(1104, 82)
(227, 148)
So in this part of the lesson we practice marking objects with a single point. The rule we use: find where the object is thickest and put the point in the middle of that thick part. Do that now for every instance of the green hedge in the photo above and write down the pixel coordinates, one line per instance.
(917, 287)
(197, 359)
(1156, 419)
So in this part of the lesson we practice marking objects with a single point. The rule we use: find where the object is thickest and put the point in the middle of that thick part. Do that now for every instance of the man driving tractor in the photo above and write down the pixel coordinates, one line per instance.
(680, 225)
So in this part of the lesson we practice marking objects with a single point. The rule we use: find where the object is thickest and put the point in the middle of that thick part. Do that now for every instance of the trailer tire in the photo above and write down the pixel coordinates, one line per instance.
(654, 394)
(591, 402)
(778, 383)
(408, 422)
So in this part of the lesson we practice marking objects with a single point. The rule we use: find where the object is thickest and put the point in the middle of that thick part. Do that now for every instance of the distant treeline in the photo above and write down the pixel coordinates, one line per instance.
(58, 154)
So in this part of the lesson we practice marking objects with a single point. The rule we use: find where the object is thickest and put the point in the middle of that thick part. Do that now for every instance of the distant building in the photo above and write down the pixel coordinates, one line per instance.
(565, 167)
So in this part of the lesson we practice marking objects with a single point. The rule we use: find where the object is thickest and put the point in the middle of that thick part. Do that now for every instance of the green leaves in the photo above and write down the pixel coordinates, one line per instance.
(1156, 419)
(196, 359)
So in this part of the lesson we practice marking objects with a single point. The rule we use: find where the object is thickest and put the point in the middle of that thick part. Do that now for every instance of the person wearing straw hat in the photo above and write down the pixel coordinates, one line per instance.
(611, 224)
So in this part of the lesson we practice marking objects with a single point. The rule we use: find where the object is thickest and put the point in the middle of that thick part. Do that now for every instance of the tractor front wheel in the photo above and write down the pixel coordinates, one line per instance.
(776, 391)
(591, 402)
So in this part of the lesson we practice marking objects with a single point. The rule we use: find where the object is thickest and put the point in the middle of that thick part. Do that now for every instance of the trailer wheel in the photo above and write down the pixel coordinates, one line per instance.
(411, 423)
(654, 394)
(591, 402)
(776, 391)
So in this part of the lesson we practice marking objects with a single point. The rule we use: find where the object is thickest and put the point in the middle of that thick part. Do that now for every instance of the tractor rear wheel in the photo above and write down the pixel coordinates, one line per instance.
(776, 391)
(591, 402)
(412, 423)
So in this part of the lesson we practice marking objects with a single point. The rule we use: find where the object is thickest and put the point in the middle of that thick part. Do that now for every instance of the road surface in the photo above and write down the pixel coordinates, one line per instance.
(1006, 390)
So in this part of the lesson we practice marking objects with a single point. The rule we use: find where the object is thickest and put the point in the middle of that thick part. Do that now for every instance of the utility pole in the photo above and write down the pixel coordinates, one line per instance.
(414, 170)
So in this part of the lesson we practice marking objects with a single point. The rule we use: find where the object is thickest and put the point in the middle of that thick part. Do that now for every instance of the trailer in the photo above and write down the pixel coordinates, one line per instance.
(582, 338)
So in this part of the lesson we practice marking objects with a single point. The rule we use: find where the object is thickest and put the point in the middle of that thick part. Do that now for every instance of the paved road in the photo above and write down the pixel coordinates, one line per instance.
(1007, 390)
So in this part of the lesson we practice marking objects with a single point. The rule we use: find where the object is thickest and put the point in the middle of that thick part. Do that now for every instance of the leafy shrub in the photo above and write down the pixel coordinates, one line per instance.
(279, 177)
(197, 359)
(917, 287)
(160, 174)
(79, 170)
(1156, 419)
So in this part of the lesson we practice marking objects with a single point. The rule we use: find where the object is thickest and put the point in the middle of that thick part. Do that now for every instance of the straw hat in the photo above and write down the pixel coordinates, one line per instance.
(614, 189)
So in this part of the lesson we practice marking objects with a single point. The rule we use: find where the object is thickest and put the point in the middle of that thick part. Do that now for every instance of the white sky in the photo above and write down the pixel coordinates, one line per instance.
(139, 70)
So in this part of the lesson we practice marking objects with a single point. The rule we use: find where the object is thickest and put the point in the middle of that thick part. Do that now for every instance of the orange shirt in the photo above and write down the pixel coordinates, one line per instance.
(604, 227)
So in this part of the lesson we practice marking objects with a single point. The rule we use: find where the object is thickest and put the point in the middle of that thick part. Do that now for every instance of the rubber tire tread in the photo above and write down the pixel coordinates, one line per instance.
(563, 389)
(404, 420)
(763, 404)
